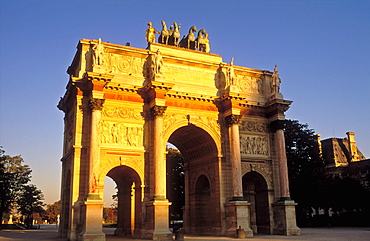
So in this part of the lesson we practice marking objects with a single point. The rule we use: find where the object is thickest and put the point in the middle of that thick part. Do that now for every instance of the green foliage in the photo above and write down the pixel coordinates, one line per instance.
(175, 182)
(29, 202)
(305, 165)
(52, 211)
(13, 176)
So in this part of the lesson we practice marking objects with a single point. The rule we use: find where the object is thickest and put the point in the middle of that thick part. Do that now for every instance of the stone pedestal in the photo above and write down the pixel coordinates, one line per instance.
(238, 217)
(157, 215)
(285, 218)
(94, 217)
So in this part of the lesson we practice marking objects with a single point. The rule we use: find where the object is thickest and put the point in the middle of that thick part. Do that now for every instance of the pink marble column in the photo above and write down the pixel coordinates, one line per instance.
(158, 153)
(282, 159)
(96, 106)
(236, 169)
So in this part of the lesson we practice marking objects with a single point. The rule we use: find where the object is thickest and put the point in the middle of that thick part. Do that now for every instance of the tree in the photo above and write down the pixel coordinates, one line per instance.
(29, 202)
(175, 182)
(13, 175)
(309, 184)
(52, 211)
(305, 166)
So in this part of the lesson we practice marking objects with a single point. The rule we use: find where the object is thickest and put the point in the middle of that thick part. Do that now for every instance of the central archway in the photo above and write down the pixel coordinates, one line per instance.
(202, 197)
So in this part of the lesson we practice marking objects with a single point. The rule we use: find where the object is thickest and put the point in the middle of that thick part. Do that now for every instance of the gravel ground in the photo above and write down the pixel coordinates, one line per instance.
(49, 232)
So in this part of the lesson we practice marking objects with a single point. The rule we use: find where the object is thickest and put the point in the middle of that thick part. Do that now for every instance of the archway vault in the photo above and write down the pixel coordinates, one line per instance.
(194, 142)
(202, 190)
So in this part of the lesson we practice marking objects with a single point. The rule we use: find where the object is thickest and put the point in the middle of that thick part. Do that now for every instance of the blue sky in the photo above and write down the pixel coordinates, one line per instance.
(322, 49)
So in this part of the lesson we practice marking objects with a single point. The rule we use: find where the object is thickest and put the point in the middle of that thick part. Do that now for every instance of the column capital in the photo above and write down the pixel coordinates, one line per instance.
(158, 110)
(277, 125)
(96, 104)
(233, 119)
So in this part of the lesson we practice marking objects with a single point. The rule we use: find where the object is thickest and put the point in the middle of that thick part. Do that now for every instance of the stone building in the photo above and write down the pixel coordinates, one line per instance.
(123, 104)
(344, 159)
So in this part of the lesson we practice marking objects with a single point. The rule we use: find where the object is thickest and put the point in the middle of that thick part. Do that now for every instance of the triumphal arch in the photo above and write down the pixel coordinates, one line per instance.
(124, 104)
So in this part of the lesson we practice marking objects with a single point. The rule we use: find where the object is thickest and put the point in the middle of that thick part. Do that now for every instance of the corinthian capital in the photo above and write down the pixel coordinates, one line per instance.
(233, 119)
(96, 104)
(158, 110)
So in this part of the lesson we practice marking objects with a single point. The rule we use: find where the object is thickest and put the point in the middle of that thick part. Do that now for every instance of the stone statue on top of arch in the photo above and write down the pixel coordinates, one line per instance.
(98, 56)
(275, 81)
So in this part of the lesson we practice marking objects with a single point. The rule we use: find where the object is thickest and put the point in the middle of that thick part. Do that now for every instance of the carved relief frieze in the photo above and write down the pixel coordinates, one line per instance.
(249, 84)
(265, 169)
(115, 63)
(121, 133)
(253, 126)
(254, 145)
(121, 112)
(184, 74)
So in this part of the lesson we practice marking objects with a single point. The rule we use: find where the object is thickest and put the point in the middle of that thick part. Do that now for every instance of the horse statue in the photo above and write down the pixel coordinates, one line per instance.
(175, 36)
(202, 41)
(189, 41)
(165, 34)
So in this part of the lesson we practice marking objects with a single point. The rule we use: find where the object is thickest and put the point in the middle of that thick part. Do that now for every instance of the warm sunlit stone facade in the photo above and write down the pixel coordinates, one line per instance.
(123, 104)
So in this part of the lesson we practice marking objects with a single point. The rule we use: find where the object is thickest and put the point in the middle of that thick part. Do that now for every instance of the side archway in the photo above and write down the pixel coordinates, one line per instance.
(129, 200)
(255, 190)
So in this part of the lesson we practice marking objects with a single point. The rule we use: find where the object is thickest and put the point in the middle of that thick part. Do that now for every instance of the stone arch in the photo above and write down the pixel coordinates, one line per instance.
(178, 122)
(129, 194)
(255, 190)
(110, 162)
(265, 170)
(201, 156)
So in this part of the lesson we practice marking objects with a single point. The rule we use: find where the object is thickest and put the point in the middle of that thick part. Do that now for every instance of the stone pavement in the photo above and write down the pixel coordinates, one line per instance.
(49, 232)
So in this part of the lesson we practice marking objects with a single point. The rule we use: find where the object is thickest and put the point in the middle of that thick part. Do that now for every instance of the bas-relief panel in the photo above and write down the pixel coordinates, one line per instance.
(250, 85)
(124, 64)
(128, 135)
(265, 169)
(114, 128)
(254, 145)
(254, 139)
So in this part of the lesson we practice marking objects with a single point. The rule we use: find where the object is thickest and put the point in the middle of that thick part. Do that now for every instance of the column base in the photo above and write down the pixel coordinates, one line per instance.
(238, 218)
(158, 225)
(285, 218)
(93, 225)
(93, 237)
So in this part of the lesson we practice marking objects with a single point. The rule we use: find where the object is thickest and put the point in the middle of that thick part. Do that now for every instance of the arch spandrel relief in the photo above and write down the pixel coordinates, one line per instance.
(108, 162)
(174, 121)
(265, 169)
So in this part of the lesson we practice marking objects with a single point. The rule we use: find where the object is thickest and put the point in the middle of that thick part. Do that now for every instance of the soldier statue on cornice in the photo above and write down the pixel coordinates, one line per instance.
(150, 33)
(275, 81)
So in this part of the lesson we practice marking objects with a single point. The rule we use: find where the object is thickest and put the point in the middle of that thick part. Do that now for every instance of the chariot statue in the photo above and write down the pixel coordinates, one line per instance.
(189, 41)
(202, 41)
(165, 34)
(175, 35)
